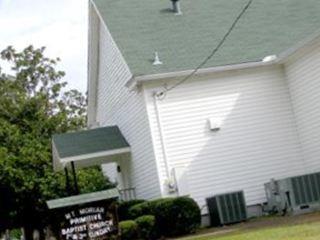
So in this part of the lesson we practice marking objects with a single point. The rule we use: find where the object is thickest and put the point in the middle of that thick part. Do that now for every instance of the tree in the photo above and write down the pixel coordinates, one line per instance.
(33, 107)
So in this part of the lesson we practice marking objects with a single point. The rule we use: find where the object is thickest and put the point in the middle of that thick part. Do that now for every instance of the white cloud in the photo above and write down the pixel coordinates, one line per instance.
(60, 25)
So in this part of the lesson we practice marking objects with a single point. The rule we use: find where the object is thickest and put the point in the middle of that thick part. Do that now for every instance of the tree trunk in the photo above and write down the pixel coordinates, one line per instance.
(28, 233)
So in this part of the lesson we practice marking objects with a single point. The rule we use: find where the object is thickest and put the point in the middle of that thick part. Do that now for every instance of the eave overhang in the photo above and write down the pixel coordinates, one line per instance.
(83, 199)
(89, 148)
(137, 81)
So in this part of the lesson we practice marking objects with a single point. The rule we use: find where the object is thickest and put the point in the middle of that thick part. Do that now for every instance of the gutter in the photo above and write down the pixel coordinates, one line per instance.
(300, 45)
(137, 81)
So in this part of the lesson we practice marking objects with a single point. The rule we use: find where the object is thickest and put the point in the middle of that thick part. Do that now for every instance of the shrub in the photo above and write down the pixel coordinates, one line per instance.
(141, 209)
(146, 225)
(128, 230)
(189, 218)
(15, 233)
(123, 208)
(174, 216)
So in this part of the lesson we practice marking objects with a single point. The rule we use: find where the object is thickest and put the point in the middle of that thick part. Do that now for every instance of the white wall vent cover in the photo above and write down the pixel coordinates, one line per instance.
(214, 124)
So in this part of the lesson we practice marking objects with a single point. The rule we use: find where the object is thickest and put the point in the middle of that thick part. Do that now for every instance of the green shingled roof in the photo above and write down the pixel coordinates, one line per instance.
(141, 27)
(83, 198)
(89, 141)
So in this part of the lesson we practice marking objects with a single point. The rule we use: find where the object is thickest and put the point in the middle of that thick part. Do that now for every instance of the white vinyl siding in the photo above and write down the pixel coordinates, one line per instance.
(258, 139)
(117, 106)
(303, 76)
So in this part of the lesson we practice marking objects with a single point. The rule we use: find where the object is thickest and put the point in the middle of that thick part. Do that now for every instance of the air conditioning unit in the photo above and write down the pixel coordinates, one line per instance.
(227, 208)
(294, 195)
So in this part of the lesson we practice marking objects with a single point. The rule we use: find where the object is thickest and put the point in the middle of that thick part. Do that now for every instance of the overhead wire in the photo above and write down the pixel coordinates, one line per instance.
(212, 54)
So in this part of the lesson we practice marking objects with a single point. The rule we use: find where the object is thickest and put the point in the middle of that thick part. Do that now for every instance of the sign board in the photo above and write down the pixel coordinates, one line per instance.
(84, 219)
(92, 221)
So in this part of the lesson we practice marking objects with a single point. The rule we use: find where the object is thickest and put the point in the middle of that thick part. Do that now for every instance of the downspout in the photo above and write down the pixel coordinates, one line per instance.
(170, 181)
(163, 145)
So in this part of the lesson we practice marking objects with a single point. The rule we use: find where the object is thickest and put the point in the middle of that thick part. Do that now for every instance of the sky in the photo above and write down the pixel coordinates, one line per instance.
(59, 25)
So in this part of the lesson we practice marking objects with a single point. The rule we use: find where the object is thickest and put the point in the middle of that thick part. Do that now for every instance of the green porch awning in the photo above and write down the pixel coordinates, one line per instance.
(83, 198)
(89, 147)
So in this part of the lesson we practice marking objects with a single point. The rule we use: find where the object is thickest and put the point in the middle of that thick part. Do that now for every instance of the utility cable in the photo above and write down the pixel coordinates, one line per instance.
(215, 50)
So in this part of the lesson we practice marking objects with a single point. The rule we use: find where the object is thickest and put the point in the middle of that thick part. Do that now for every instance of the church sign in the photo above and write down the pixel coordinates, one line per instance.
(85, 218)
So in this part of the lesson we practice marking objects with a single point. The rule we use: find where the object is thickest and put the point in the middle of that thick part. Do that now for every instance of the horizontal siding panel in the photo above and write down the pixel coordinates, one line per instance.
(239, 151)
(215, 110)
(248, 122)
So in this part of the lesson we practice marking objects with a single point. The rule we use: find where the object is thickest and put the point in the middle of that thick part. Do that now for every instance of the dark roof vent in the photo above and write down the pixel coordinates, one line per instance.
(176, 7)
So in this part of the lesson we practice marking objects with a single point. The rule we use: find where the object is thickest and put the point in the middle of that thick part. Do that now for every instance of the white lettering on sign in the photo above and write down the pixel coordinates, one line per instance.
(98, 233)
(84, 219)
(79, 228)
(91, 210)
(87, 223)
(97, 225)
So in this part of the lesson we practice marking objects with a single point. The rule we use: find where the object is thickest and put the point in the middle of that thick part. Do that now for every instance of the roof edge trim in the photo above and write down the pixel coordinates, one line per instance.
(300, 45)
(83, 198)
(66, 160)
(203, 71)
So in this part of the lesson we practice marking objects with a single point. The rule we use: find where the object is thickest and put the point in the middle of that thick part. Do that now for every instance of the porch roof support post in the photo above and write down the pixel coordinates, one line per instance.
(75, 180)
(68, 185)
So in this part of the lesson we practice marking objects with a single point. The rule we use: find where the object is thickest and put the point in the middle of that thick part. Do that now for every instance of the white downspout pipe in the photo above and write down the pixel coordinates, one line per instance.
(162, 141)
(170, 182)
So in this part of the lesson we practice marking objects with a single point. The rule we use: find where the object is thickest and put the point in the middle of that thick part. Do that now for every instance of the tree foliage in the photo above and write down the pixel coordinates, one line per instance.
(33, 107)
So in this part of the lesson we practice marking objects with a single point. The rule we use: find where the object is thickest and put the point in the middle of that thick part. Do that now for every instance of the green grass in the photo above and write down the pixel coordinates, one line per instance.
(305, 227)
(309, 231)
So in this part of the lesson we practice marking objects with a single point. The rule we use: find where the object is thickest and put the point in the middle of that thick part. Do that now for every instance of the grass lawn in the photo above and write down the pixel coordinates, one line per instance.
(303, 227)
